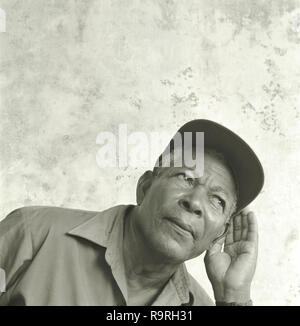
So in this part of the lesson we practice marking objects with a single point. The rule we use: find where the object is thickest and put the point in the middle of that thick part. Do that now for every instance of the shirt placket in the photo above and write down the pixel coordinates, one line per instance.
(114, 256)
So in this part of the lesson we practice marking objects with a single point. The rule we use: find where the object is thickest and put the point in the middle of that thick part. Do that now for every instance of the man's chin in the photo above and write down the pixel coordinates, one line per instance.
(175, 252)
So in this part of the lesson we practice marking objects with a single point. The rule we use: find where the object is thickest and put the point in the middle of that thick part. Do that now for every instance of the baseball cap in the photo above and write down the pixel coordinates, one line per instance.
(245, 165)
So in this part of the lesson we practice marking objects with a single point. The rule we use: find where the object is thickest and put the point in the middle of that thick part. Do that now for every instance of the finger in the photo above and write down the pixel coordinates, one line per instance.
(244, 226)
(229, 236)
(252, 227)
(237, 228)
(246, 210)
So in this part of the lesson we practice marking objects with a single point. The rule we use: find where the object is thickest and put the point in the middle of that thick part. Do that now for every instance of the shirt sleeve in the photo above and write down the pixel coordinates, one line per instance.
(15, 251)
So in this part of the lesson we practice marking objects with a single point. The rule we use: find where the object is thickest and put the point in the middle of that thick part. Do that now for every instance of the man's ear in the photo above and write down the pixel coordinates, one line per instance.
(143, 185)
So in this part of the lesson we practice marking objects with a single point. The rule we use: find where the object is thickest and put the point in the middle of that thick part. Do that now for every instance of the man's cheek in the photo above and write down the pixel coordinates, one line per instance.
(156, 196)
(210, 235)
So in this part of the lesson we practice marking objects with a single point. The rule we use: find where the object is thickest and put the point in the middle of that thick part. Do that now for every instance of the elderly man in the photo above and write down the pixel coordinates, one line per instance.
(135, 254)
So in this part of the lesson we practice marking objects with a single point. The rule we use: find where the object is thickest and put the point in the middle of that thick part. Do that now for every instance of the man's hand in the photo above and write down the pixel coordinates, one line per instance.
(231, 271)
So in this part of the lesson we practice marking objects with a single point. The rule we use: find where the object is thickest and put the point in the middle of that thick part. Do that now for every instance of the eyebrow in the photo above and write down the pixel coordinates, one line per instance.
(220, 189)
(213, 188)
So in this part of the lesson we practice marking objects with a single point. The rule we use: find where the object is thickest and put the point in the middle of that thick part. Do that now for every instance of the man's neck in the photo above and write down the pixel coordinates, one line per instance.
(146, 270)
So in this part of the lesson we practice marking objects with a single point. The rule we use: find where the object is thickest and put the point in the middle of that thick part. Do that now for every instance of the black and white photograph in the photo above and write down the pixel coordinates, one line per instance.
(149, 154)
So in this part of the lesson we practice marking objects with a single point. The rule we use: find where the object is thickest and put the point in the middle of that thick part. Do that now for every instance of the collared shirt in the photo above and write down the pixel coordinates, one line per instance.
(62, 256)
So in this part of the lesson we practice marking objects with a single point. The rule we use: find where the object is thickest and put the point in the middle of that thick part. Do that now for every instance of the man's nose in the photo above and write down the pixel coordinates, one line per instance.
(192, 203)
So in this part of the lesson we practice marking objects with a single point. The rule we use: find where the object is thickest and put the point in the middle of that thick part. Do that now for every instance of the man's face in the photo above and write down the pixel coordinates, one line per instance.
(181, 214)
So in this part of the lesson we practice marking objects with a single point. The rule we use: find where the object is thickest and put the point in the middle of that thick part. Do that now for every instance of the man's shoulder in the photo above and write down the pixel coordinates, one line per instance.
(58, 214)
(201, 298)
(39, 221)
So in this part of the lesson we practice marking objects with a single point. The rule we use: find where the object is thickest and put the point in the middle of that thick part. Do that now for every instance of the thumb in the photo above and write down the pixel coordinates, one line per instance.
(215, 247)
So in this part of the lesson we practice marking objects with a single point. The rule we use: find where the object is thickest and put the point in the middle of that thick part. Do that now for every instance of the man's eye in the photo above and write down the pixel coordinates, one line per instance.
(219, 201)
(182, 176)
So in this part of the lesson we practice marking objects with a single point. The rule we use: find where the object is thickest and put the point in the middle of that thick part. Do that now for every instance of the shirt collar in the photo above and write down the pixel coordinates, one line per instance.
(99, 228)
(106, 229)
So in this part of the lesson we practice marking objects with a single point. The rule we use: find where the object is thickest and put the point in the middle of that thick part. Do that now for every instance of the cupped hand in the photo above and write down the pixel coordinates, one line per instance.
(231, 270)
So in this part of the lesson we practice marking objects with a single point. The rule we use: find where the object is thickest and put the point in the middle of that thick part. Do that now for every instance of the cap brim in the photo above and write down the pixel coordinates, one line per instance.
(247, 169)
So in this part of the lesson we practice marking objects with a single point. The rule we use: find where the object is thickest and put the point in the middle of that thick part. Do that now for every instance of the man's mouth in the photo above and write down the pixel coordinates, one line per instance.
(181, 226)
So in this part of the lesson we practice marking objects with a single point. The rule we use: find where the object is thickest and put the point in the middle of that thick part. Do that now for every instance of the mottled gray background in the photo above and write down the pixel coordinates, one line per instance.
(70, 69)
